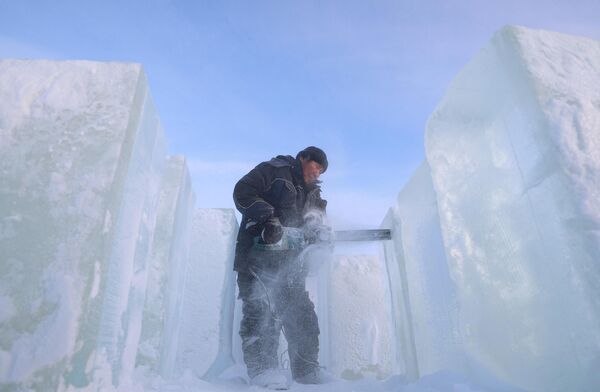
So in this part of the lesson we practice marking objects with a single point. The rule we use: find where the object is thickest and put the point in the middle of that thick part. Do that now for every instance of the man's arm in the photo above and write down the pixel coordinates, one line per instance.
(248, 199)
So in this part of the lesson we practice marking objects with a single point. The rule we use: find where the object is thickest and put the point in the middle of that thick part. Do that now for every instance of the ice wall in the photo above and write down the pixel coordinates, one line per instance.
(513, 150)
(167, 270)
(425, 304)
(82, 154)
(205, 338)
(360, 327)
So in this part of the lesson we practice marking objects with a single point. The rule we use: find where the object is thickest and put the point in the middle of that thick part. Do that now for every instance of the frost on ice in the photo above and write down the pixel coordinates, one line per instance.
(81, 155)
(513, 150)
(493, 265)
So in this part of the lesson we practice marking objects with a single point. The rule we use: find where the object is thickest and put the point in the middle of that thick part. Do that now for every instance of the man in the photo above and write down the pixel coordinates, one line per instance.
(272, 197)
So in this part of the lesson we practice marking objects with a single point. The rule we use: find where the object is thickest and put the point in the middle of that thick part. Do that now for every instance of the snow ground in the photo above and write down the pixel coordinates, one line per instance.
(443, 381)
(234, 379)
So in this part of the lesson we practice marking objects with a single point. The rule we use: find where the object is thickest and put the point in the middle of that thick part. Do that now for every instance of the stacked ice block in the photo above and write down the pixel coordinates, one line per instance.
(423, 294)
(513, 189)
(205, 337)
(360, 326)
(101, 268)
(513, 150)
(82, 155)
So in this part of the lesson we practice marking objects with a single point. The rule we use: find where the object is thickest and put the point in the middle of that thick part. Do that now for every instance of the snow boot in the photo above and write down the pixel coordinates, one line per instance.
(271, 379)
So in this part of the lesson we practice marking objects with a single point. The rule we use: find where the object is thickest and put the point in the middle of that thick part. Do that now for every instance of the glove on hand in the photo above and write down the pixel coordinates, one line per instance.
(272, 231)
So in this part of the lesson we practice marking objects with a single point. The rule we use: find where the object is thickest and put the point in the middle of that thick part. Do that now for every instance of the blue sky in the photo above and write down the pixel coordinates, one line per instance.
(237, 82)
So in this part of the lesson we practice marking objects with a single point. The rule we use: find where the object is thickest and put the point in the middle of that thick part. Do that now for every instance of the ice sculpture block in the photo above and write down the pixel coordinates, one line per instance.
(513, 149)
(361, 338)
(205, 338)
(425, 307)
(167, 270)
(82, 155)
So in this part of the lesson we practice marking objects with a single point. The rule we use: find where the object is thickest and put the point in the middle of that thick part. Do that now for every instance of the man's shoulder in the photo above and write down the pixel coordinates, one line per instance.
(281, 161)
(278, 165)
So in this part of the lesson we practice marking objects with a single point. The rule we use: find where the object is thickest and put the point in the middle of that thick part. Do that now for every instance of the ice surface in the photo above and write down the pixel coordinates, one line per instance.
(425, 308)
(167, 271)
(361, 337)
(133, 227)
(513, 150)
(79, 142)
(205, 339)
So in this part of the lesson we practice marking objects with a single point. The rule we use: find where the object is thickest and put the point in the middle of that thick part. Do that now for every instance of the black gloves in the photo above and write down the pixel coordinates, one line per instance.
(272, 231)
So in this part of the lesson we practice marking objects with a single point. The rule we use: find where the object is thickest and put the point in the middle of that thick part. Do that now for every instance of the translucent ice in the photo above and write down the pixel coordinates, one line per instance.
(423, 294)
(205, 338)
(168, 265)
(513, 150)
(82, 152)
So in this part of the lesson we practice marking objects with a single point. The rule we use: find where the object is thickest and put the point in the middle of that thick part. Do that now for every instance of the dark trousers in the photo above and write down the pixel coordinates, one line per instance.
(275, 298)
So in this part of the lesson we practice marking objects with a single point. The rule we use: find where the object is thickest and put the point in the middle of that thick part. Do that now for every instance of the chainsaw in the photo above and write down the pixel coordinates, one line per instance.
(299, 238)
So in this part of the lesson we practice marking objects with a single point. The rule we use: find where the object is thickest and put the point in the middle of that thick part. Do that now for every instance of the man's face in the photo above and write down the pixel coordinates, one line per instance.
(311, 170)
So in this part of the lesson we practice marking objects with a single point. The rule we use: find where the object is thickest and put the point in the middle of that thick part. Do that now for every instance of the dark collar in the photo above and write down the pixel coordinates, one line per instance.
(297, 173)
(299, 178)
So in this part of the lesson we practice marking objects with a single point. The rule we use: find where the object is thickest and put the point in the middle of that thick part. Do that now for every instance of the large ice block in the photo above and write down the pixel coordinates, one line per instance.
(205, 338)
(361, 336)
(82, 153)
(168, 264)
(424, 303)
(513, 149)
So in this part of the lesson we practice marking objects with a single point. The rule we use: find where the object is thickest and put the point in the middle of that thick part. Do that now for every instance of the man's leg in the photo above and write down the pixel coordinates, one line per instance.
(259, 330)
(301, 328)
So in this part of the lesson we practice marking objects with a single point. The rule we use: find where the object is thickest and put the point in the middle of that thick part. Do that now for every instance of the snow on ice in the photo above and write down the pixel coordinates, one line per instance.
(513, 150)
(111, 280)
(81, 155)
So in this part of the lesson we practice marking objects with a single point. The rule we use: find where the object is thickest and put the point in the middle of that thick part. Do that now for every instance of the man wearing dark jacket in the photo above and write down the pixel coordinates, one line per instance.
(272, 197)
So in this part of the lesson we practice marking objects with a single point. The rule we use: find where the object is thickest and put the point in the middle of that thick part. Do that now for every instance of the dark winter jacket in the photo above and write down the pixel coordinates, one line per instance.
(274, 188)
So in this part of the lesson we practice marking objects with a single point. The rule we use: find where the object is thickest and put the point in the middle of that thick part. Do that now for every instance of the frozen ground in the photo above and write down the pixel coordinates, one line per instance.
(444, 381)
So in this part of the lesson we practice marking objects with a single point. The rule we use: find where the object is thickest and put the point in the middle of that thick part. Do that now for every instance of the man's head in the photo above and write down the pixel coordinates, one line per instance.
(314, 163)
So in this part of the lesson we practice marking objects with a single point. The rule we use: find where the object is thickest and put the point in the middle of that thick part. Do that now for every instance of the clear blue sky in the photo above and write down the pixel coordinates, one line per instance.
(237, 82)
